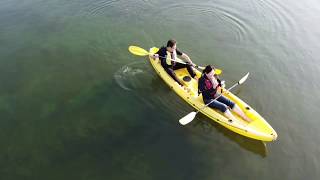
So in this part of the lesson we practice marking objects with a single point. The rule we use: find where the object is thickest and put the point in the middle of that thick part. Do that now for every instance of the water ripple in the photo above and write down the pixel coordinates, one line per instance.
(126, 76)
(117, 8)
(236, 22)
(280, 17)
(140, 79)
(213, 17)
(101, 6)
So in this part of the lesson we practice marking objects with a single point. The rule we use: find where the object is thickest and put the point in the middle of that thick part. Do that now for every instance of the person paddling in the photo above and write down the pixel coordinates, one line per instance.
(210, 86)
(165, 54)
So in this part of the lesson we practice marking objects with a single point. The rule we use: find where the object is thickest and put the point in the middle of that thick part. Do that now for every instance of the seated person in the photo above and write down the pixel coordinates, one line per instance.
(166, 54)
(210, 86)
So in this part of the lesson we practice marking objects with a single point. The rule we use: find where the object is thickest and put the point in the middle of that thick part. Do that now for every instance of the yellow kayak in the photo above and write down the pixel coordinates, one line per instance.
(258, 129)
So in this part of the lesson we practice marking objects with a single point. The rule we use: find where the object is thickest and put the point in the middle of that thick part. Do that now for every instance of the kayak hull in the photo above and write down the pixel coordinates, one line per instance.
(258, 129)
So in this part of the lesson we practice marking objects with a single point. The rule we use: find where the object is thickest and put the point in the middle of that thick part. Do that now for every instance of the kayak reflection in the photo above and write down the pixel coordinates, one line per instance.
(252, 145)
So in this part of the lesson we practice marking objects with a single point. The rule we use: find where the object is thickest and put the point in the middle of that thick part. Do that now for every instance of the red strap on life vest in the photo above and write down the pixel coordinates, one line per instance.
(209, 86)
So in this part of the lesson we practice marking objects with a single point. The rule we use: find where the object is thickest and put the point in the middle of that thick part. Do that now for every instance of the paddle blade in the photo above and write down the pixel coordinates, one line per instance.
(217, 71)
(188, 118)
(154, 50)
(242, 80)
(138, 51)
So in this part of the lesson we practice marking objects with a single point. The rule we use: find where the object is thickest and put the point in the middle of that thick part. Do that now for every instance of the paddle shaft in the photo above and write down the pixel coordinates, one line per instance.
(200, 67)
(217, 97)
(142, 52)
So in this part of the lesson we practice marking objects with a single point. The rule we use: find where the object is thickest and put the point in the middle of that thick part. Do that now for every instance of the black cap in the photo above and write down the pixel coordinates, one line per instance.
(208, 69)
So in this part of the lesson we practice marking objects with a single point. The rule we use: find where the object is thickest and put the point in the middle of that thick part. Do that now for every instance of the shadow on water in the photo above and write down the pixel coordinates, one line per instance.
(255, 146)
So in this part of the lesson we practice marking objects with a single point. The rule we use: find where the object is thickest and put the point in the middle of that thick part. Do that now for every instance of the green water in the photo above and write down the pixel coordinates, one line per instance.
(75, 104)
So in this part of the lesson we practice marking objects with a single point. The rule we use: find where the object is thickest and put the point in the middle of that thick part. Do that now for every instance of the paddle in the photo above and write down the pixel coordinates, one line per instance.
(189, 117)
(142, 52)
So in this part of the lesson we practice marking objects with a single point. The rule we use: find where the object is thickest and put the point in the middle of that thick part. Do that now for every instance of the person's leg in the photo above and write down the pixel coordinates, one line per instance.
(234, 107)
(189, 68)
(229, 115)
(226, 101)
(178, 66)
(237, 110)
(222, 107)
(171, 72)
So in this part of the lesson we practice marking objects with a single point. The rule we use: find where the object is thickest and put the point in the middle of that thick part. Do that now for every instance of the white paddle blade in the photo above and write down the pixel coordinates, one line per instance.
(188, 118)
(242, 80)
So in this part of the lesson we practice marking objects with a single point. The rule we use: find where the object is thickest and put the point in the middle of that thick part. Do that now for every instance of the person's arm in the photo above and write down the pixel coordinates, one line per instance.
(185, 57)
(155, 55)
(219, 87)
(160, 54)
(200, 86)
(202, 90)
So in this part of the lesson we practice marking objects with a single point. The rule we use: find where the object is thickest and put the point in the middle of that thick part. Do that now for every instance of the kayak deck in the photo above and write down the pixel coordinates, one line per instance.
(257, 129)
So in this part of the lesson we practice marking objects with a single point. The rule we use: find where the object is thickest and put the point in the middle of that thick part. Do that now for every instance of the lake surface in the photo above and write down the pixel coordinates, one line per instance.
(75, 104)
